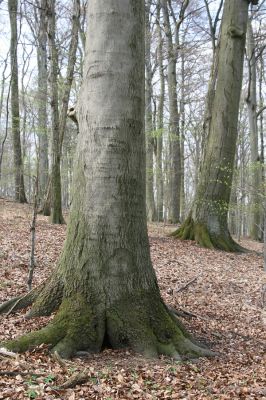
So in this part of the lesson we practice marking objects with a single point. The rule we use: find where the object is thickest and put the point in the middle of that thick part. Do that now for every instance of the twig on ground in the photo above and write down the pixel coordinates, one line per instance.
(22, 373)
(6, 353)
(184, 287)
(185, 314)
(75, 379)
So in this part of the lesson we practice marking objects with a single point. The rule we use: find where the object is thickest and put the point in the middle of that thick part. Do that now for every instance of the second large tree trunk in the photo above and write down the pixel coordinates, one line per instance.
(207, 222)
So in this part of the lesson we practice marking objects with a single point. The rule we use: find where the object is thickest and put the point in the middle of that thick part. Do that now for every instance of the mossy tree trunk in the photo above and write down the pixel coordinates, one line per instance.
(15, 114)
(207, 222)
(104, 286)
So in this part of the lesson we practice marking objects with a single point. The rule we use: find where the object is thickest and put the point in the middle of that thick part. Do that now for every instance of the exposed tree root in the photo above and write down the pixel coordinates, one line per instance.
(20, 302)
(76, 379)
(143, 324)
(48, 299)
(190, 230)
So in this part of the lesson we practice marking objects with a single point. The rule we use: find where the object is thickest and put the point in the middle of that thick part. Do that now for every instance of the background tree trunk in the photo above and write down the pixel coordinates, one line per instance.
(207, 222)
(175, 160)
(42, 99)
(160, 124)
(251, 100)
(52, 189)
(149, 128)
(18, 161)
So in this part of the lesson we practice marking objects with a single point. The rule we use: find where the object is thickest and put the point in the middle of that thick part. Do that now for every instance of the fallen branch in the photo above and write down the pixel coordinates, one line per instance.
(6, 353)
(184, 287)
(75, 379)
(22, 373)
(185, 314)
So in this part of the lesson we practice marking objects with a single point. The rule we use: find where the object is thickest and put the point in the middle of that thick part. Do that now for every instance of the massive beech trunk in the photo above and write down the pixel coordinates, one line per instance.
(207, 222)
(104, 286)
(18, 161)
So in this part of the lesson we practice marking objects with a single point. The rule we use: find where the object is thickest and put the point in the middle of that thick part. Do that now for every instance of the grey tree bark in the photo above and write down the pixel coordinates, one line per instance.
(182, 139)
(56, 201)
(149, 128)
(213, 25)
(175, 161)
(160, 123)
(42, 98)
(251, 100)
(15, 115)
(260, 117)
(104, 285)
(52, 197)
(207, 222)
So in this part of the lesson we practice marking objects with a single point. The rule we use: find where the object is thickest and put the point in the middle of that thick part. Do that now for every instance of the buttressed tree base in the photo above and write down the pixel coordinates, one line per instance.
(207, 222)
(104, 289)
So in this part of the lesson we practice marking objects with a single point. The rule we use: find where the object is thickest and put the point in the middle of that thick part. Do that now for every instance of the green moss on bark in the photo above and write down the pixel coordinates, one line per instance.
(191, 230)
(142, 323)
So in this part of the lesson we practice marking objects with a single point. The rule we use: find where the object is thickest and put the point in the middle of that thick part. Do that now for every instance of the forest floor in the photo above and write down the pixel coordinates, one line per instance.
(225, 299)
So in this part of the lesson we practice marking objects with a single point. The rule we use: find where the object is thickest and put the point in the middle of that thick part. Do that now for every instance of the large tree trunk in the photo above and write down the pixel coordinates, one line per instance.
(207, 222)
(18, 161)
(104, 284)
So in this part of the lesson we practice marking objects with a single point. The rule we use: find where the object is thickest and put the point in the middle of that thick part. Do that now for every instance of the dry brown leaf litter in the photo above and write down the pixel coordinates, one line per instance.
(225, 296)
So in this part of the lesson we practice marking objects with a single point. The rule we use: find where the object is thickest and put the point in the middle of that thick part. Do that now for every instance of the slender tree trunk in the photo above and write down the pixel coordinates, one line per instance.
(207, 222)
(151, 213)
(104, 284)
(70, 69)
(56, 201)
(182, 139)
(175, 166)
(255, 211)
(18, 162)
(160, 123)
(260, 116)
(42, 99)
(61, 119)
